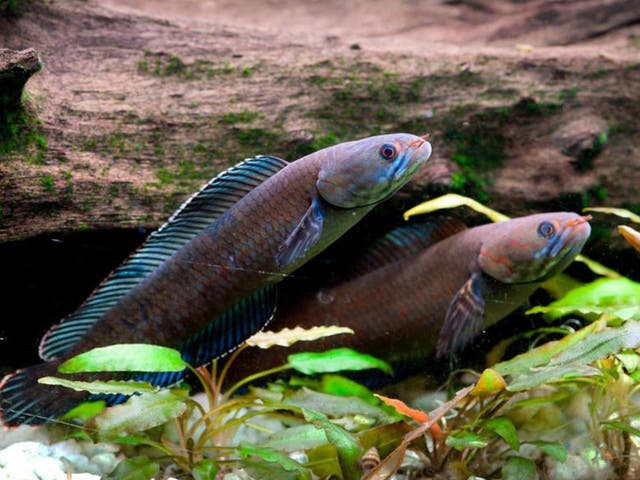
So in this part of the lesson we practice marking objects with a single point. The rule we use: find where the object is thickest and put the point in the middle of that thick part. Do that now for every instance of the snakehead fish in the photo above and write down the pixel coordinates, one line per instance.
(205, 281)
(414, 301)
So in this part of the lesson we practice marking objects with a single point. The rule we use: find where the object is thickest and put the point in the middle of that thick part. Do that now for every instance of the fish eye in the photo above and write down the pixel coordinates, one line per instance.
(388, 152)
(546, 230)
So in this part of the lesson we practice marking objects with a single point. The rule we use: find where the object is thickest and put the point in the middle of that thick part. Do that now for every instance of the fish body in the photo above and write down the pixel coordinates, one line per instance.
(434, 302)
(204, 282)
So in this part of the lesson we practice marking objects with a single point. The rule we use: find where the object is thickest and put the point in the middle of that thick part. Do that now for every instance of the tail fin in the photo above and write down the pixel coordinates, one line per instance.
(24, 401)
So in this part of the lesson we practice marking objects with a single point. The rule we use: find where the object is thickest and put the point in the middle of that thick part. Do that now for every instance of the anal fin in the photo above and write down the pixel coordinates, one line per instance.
(221, 336)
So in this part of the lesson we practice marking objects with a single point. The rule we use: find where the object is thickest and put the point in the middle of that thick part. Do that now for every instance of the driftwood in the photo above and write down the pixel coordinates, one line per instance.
(137, 113)
(16, 67)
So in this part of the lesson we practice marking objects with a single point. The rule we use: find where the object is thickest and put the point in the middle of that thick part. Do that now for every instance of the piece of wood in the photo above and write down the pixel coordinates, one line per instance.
(16, 67)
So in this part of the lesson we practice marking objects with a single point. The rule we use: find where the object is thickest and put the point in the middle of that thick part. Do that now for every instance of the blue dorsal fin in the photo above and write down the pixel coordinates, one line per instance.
(220, 337)
(403, 242)
(196, 214)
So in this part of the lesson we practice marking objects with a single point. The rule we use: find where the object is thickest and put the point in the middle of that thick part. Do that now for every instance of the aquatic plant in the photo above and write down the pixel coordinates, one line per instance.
(566, 408)
(202, 439)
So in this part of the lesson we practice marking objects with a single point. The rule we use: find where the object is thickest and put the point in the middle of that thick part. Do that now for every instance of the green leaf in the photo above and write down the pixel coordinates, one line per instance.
(553, 449)
(85, 411)
(301, 437)
(136, 357)
(108, 387)
(519, 468)
(337, 385)
(324, 461)
(461, 440)
(258, 469)
(601, 344)
(550, 373)
(205, 469)
(135, 468)
(335, 406)
(271, 455)
(619, 297)
(505, 429)
(349, 449)
(141, 412)
(617, 425)
(544, 353)
(336, 360)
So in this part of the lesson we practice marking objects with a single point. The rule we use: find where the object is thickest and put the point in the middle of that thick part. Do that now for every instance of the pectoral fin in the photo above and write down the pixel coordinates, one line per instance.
(303, 237)
(465, 318)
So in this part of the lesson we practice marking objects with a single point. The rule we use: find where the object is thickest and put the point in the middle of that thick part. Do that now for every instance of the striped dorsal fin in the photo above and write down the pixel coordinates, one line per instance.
(195, 215)
(403, 242)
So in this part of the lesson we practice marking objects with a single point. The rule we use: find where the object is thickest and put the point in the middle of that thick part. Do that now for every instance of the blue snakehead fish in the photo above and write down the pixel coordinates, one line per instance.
(204, 282)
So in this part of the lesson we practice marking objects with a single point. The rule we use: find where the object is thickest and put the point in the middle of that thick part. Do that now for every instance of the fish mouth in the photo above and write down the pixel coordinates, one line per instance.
(417, 153)
(573, 234)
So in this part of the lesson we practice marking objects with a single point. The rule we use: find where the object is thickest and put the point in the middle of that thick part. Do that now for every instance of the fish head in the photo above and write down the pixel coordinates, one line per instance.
(533, 248)
(364, 172)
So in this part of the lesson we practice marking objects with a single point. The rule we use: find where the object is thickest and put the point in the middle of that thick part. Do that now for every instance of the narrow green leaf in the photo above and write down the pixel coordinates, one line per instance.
(617, 425)
(108, 387)
(205, 469)
(141, 412)
(453, 200)
(505, 429)
(620, 212)
(349, 449)
(597, 267)
(136, 357)
(553, 449)
(135, 468)
(631, 236)
(461, 440)
(519, 468)
(336, 360)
